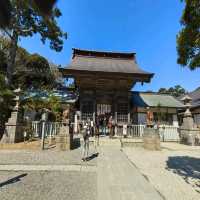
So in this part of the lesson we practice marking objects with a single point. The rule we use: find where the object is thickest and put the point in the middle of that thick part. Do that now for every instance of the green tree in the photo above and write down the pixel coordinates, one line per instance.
(175, 91)
(188, 39)
(27, 20)
(6, 102)
(162, 91)
(31, 70)
(45, 7)
(35, 74)
(52, 103)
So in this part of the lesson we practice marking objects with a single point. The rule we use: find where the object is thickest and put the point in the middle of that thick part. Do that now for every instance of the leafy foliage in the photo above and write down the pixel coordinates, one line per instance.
(174, 91)
(5, 13)
(188, 39)
(45, 7)
(31, 70)
(52, 103)
(3, 63)
(27, 20)
(35, 74)
(6, 102)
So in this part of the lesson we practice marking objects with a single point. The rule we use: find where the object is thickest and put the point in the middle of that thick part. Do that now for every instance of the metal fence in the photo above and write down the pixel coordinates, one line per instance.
(50, 128)
(132, 130)
(167, 133)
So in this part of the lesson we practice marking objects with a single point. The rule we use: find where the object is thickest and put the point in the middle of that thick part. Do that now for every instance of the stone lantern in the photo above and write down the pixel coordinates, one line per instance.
(14, 128)
(188, 130)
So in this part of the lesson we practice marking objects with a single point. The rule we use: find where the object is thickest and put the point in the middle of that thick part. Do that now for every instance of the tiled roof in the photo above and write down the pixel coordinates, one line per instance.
(141, 99)
(84, 60)
(195, 95)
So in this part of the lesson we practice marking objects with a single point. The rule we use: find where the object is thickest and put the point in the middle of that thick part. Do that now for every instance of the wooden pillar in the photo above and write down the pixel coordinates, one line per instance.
(94, 110)
(129, 115)
(80, 110)
(94, 105)
(115, 110)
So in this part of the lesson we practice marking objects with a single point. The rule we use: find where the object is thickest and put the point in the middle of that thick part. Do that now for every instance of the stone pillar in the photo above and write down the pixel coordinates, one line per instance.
(188, 129)
(14, 129)
(64, 140)
(151, 136)
(129, 117)
(175, 120)
(151, 139)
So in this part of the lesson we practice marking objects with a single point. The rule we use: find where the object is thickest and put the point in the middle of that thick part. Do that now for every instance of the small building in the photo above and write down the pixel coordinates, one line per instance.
(164, 108)
(104, 81)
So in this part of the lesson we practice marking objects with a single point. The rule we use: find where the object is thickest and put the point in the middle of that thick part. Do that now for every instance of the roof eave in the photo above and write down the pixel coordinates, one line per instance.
(146, 77)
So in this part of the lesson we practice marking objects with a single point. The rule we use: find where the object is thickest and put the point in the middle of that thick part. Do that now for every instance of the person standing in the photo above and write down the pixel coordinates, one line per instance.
(96, 134)
(92, 127)
(104, 125)
(110, 126)
(86, 135)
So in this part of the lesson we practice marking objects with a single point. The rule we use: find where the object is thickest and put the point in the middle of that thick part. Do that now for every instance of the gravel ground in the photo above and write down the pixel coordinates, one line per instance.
(48, 185)
(50, 157)
(174, 173)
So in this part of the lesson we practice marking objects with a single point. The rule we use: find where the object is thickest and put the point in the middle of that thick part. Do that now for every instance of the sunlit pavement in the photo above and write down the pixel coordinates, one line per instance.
(128, 173)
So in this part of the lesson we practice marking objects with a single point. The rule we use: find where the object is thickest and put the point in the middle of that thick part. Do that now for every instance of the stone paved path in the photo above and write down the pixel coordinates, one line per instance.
(79, 168)
(47, 185)
(119, 179)
(174, 173)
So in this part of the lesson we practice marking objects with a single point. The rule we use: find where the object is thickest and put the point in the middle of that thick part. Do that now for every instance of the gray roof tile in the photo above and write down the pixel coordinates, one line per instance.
(141, 99)
(84, 60)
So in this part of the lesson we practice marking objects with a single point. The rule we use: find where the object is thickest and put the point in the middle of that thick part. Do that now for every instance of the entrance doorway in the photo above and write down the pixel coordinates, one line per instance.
(103, 109)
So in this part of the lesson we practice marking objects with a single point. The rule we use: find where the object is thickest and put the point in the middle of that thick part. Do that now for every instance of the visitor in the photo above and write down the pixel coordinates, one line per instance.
(113, 127)
(86, 135)
(96, 134)
(97, 124)
(110, 126)
(92, 127)
(104, 126)
(124, 130)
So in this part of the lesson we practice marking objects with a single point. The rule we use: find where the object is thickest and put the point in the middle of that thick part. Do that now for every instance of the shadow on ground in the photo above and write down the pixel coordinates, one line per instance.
(12, 180)
(93, 156)
(187, 167)
(76, 143)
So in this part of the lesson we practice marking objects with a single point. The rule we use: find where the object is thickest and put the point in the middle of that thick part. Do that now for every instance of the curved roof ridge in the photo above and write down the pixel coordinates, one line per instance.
(96, 53)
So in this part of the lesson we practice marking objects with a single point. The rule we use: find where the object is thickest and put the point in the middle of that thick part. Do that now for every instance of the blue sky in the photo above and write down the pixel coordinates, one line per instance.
(147, 27)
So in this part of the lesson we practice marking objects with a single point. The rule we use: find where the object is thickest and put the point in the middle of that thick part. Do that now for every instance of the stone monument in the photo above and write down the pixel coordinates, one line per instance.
(64, 139)
(14, 128)
(151, 137)
(189, 133)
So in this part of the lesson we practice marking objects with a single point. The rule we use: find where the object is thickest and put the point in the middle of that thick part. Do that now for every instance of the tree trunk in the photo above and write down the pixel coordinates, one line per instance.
(12, 56)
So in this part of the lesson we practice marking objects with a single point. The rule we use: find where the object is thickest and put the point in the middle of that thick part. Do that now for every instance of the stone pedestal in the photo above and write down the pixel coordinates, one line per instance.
(151, 139)
(189, 136)
(64, 140)
(14, 129)
(189, 133)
